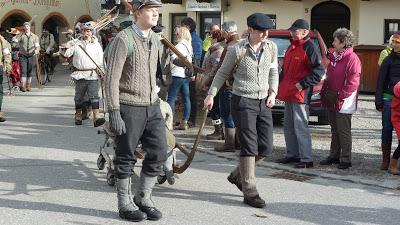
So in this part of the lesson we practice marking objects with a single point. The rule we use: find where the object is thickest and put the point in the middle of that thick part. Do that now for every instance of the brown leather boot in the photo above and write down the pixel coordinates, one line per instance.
(386, 149)
(183, 125)
(247, 166)
(97, 120)
(2, 119)
(229, 145)
(87, 111)
(28, 86)
(218, 133)
(78, 116)
(23, 86)
(235, 178)
(393, 169)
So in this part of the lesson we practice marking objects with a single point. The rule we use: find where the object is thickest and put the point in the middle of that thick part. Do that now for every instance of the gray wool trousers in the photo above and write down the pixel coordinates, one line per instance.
(297, 133)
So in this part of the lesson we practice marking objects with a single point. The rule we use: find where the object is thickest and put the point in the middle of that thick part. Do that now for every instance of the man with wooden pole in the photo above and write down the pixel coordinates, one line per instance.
(134, 109)
(88, 63)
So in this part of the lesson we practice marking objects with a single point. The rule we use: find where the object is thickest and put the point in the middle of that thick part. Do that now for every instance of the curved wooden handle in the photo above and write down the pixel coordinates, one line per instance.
(181, 168)
(183, 58)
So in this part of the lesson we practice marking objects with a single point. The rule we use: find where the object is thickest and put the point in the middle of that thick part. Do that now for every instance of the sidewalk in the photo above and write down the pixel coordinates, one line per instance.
(366, 155)
(49, 176)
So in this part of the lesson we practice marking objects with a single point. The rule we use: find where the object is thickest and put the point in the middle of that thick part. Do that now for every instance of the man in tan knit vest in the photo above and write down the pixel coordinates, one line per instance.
(28, 48)
(253, 95)
(134, 108)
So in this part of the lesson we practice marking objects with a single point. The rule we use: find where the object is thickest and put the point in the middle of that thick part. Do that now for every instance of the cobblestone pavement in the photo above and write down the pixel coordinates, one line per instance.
(366, 154)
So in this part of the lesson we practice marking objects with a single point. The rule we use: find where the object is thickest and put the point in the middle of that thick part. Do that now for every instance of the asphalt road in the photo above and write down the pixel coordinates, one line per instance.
(48, 175)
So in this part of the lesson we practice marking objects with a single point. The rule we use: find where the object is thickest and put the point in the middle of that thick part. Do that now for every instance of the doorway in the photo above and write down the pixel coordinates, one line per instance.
(326, 17)
(15, 19)
(56, 24)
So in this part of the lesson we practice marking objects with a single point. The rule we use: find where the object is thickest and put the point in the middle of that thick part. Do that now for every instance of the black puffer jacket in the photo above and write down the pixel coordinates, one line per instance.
(389, 75)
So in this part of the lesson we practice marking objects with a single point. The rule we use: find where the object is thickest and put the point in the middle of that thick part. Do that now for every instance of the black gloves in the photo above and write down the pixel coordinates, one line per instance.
(117, 125)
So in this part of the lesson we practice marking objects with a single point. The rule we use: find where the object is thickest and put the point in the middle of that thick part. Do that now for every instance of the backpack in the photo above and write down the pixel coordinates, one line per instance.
(131, 43)
(131, 46)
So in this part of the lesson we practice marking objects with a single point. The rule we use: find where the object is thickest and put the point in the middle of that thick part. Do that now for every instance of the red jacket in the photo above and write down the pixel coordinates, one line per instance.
(302, 64)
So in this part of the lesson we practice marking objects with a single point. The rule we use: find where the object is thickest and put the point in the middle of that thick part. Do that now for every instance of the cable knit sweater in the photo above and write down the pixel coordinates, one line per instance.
(131, 79)
(254, 78)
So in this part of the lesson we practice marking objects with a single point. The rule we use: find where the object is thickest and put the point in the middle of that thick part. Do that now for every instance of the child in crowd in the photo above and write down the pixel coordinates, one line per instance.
(393, 166)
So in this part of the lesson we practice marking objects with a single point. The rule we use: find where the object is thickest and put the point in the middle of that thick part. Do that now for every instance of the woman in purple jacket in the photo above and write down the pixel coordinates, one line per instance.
(339, 95)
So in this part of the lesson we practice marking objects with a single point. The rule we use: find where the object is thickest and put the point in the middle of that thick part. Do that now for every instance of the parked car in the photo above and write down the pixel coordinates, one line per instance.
(282, 39)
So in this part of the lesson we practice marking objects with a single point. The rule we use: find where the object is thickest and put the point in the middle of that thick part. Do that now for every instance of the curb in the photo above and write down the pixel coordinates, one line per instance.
(389, 184)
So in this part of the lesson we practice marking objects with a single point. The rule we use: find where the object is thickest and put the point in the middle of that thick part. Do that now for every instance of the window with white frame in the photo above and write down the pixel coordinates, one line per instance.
(391, 26)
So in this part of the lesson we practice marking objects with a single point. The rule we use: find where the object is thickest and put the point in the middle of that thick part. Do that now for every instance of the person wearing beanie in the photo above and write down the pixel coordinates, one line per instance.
(253, 63)
(28, 49)
(86, 75)
(134, 110)
(302, 69)
(388, 76)
(385, 52)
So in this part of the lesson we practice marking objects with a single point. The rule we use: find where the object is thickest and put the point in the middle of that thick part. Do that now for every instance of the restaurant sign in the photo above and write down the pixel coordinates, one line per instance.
(203, 5)
(45, 3)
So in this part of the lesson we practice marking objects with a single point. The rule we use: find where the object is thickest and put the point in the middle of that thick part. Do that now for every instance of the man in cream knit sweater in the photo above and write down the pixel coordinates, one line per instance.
(253, 63)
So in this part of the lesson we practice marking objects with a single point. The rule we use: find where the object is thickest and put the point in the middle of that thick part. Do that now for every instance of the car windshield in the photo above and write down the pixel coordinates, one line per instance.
(284, 42)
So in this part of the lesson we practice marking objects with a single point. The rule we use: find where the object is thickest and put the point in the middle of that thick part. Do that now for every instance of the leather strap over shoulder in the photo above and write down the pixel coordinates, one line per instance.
(270, 46)
(131, 43)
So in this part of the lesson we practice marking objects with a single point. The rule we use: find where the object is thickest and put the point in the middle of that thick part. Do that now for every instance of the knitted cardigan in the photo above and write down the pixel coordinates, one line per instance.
(253, 79)
(131, 79)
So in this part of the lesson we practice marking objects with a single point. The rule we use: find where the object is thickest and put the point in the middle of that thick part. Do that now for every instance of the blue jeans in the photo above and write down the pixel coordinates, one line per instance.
(193, 97)
(178, 84)
(225, 107)
(387, 127)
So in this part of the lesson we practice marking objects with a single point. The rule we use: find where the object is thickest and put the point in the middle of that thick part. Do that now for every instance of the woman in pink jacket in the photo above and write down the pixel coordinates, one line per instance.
(339, 95)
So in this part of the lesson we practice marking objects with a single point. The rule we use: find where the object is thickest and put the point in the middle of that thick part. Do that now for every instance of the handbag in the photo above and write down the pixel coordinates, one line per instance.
(329, 98)
(189, 72)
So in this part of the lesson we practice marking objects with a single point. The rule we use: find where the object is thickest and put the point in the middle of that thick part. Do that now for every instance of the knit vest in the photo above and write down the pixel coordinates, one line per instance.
(137, 82)
(252, 77)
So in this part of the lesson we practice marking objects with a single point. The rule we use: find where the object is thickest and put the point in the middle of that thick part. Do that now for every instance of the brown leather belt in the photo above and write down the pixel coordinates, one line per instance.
(76, 69)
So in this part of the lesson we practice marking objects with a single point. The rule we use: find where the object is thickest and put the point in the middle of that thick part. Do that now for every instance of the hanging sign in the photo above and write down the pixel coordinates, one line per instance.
(203, 5)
